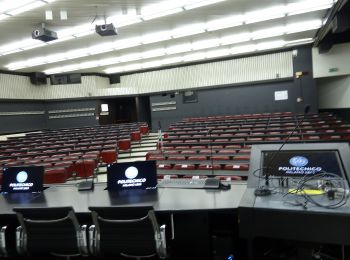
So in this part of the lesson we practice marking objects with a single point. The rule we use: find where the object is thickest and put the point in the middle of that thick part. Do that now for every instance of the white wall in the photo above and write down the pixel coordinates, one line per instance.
(234, 71)
(241, 70)
(334, 92)
(338, 57)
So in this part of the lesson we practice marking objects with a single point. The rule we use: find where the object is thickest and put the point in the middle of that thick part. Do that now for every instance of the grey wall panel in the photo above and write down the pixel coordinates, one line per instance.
(22, 122)
(65, 114)
(254, 98)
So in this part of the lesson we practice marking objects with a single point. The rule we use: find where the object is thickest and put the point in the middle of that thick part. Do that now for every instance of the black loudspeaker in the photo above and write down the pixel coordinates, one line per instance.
(44, 35)
(114, 79)
(38, 78)
(106, 30)
(340, 23)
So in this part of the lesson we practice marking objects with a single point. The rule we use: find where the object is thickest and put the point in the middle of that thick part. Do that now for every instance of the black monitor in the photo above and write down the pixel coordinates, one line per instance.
(22, 179)
(140, 175)
(298, 160)
(298, 163)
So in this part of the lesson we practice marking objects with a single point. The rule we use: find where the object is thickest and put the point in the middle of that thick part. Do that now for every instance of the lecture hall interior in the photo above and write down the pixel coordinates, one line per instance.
(163, 129)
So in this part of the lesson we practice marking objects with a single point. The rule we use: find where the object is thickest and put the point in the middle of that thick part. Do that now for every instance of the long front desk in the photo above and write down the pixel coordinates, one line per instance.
(195, 218)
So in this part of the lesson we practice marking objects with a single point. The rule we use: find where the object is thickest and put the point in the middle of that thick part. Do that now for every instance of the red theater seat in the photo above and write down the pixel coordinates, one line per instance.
(55, 175)
(209, 167)
(229, 178)
(176, 158)
(197, 158)
(164, 166)
(227, 151)
(185, 167)
(144, 130)
(220, 158)
(135, 136)
(108, 156)
(84, 168)
(236, 167)
(124, 144)
(156, 157)
(241, 158)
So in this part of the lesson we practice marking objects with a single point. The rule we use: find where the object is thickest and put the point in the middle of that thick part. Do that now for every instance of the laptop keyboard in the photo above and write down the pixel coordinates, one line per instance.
(183, 183)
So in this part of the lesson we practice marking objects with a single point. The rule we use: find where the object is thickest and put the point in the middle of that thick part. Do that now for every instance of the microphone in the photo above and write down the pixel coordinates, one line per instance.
(211, 151)
(265, 191)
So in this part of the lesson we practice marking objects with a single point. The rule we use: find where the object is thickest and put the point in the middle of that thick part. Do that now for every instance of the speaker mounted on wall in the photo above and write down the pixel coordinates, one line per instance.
(38, 78)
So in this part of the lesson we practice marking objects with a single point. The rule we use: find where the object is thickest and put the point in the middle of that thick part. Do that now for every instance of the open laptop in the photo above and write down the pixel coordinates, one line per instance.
(140, 175)
(22, 179)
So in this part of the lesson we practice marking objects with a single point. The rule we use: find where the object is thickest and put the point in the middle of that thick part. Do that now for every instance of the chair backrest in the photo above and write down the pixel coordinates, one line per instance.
(127, 231)
(50, 231)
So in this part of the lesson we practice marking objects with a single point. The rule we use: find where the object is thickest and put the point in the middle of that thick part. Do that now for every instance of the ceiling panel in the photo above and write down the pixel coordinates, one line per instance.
(80, 12)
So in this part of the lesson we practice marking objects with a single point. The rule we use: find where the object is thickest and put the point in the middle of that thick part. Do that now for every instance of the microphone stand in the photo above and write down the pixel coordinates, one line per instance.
(265, 191)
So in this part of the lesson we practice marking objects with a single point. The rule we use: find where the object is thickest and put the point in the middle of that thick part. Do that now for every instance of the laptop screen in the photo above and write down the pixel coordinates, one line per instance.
(22, 179)
(300, 163)
(132, 175)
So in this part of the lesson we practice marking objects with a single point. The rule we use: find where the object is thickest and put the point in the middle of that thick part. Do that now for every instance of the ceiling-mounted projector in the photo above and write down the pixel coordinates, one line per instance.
(106, 29)
(44, 35)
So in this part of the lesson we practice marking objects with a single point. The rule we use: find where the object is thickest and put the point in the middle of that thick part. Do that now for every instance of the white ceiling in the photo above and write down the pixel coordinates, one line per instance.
(19, 27)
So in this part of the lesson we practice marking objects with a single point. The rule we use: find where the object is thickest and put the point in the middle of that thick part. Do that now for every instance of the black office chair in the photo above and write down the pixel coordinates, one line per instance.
(131, 232)
(50, 231)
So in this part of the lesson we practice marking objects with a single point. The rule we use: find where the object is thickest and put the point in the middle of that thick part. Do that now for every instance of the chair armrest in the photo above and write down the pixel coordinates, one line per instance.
(3, 251)
(162, 243)
(82, 240)
(92, 239)
(19, 240)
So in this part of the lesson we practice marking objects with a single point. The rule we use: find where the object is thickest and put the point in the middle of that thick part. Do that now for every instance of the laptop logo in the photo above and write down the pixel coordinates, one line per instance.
(22, 176)
(131, 172)
(298, 161)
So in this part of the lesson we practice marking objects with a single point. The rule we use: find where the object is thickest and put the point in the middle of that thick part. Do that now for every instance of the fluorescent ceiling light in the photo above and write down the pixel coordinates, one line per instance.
(223, 23)
(151, 64)
(202, 3)
(131, 67)
(48, 15)
(308, 6)
(243, 49)
(127, 43)
(187, 30)
(270, 45)
(265, 14)
(172, 60)
(303, 26)
(83, 34)
(26, 8)
(11, 52)
(130, 57)
(156, 37)
(178, 48)
(108, 61)
(205, 44)
(153, 53)
(267, 33)
(217, 53)
(7, 5)
(194, 56)
(129, 22)
(114, 70)
(161, 14)
(235, 38)
(62, 39)
(299, 41)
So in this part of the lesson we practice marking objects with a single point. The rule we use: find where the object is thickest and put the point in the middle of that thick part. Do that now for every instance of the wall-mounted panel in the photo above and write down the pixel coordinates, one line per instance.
(333, 63)
(235, 71)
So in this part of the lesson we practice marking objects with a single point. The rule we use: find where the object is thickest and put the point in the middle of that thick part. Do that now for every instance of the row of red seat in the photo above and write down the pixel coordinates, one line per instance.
(202, 166)
(66, 160)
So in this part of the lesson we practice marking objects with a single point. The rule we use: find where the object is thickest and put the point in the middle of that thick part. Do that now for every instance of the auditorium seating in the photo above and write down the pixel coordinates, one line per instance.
(225, 141)
(60, 151)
